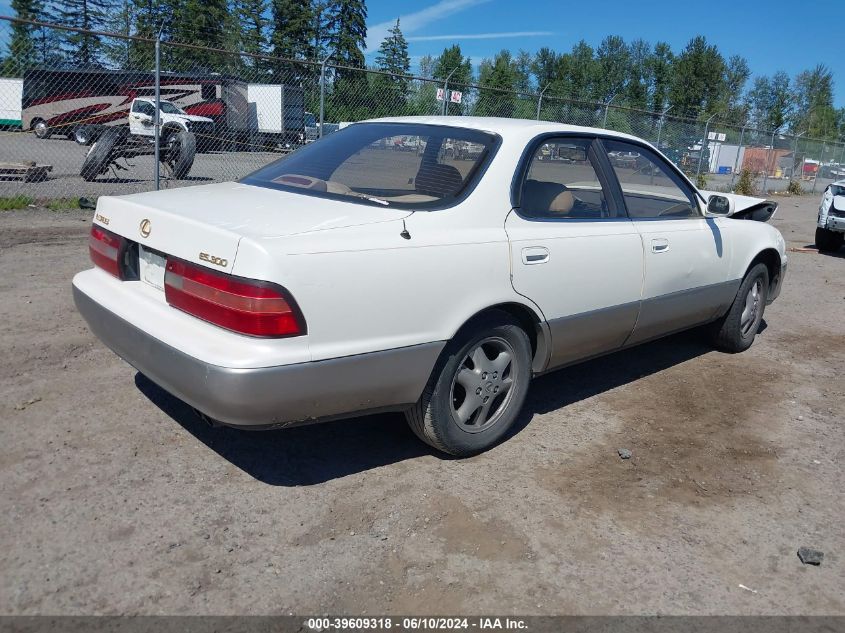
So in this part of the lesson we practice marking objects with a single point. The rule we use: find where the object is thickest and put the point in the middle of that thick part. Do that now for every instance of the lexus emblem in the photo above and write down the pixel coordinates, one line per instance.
(145, 228)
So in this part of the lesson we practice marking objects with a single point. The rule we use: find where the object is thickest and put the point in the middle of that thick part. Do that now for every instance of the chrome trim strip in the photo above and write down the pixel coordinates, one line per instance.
(269, 396)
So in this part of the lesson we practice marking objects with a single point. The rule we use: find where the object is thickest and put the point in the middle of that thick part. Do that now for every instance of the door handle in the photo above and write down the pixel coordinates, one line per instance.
(660, 245)
(535, 255)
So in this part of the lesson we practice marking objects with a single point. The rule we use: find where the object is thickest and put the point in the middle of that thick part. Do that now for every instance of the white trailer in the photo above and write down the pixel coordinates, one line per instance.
(11, 96)
(277, 114)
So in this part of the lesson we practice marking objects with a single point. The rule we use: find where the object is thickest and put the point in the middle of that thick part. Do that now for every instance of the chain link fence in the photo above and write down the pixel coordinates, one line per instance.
(70, 129)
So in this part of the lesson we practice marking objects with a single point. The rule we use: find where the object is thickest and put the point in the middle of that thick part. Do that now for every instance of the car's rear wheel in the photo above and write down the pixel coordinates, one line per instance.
(477, 389)
(829, 241)
(735, 331)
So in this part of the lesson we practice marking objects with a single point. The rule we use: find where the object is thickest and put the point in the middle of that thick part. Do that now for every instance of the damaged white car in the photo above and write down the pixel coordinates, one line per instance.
(351, 276)
(830, 231)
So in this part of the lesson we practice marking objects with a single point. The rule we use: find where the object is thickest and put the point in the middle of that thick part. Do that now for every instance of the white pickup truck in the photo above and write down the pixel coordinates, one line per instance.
(142, 123)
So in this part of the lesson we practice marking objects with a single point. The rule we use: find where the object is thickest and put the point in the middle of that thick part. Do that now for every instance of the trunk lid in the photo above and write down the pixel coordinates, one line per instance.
(205, 224)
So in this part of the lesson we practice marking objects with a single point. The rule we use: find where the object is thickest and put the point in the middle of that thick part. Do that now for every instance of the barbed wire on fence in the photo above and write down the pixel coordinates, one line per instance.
(243, 110)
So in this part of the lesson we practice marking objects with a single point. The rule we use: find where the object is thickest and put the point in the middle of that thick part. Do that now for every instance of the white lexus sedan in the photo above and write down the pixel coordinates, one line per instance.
(353, 277)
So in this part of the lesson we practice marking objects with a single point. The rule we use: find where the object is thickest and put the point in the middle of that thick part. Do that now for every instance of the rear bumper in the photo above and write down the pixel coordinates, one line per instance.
(835, 223)
(269, 396)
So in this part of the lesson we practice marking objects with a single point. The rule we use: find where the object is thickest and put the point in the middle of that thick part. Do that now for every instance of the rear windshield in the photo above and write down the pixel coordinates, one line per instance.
(403, 165)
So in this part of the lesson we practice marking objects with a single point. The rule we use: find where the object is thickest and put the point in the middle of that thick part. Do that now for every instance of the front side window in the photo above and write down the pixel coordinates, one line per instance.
(562, 183)
(405, 165)
(169, 108)
(649, 186)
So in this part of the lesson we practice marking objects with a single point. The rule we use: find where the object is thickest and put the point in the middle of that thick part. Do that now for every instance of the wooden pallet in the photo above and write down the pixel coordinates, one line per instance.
(28, 171)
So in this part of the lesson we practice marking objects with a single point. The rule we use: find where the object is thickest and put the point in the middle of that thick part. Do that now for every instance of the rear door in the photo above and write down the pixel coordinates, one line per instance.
(573, 250)
(686, 258)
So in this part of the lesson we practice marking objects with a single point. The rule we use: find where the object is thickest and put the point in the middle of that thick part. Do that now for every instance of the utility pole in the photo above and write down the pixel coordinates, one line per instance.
(660, 125)
(738, 150)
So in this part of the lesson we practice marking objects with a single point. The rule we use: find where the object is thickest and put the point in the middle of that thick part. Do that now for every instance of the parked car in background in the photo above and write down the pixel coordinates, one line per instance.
(350, 277)
(830, 229)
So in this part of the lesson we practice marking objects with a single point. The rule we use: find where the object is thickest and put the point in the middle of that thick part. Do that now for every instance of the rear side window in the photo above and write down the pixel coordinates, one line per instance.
(563, 184)
(649, 186)
(402, 165)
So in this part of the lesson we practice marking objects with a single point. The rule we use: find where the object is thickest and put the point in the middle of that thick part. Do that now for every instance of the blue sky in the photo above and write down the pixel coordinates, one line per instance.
(771, 34)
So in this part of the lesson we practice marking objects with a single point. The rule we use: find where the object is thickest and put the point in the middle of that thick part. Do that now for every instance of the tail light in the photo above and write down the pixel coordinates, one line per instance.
(107, 250)
(247, 306)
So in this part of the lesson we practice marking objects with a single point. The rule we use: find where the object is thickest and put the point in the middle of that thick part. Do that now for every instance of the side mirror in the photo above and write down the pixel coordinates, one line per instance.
(719, 205)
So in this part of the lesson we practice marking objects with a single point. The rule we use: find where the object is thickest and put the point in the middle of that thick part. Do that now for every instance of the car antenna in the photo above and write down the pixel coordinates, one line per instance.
(404, 234)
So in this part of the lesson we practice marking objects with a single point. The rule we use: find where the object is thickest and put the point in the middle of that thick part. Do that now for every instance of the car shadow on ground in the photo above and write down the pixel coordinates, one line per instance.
(840, 254)
(317, 453)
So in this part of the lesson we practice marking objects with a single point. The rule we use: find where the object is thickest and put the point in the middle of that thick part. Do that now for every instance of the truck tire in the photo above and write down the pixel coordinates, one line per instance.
(99, 156)
(41, 129)
(180, 148)
(829, 241)
(85, 134)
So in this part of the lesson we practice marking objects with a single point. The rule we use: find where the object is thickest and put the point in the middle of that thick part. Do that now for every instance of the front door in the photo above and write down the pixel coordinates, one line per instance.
(686, 258)
(574, 252)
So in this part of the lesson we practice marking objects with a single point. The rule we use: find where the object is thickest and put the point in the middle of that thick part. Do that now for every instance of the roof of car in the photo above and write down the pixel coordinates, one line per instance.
(502, 126)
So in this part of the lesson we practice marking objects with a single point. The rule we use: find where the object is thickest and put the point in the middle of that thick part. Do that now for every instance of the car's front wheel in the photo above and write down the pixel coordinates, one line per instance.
(735, 331)
(477, 388)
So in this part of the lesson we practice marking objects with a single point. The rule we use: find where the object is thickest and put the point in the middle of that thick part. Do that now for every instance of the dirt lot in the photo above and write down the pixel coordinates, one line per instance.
(116, 500)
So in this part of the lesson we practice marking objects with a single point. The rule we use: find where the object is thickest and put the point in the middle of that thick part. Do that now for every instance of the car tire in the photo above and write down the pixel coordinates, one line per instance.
(472, 379)
(829, 241)
(735, 331)
(180, 148)
(99, 155)
(41, 129)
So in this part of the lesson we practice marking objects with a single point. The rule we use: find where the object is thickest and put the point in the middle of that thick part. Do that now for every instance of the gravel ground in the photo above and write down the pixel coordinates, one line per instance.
(116, 500)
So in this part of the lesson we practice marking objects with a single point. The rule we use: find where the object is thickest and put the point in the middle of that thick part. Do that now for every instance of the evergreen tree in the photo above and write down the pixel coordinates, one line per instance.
(660, 67)
(736, 76)
(639, 80)
(81, 50)
(814, 113)
(347, 22)
(253, 25)
(497, 77)
(390, 91)
(612, 64)
(292, 37)
(118, 51)
(451, 59)
(150, 16)
(202, 23)
(23, 47)
(697, 79)
(770, 101)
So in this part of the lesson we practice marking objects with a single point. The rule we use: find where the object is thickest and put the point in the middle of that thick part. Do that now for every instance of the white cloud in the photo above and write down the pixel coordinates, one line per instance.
(478, 36)
(417, 20)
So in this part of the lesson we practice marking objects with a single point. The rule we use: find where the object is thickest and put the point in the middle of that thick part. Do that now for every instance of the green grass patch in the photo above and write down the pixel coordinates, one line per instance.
(15, 202)
(62, 204)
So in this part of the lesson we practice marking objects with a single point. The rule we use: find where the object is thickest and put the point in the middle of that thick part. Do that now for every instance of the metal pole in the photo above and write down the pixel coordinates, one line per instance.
(821, 160)
(323, 93)
(606, 108)
(540, 100)
(158, 110)
(446, 90)
(738, 150)
(766, 164)
(701, 151)
(660, 125)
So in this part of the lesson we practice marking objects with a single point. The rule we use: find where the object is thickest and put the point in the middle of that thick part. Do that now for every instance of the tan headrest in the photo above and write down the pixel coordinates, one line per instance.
(562, 203)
